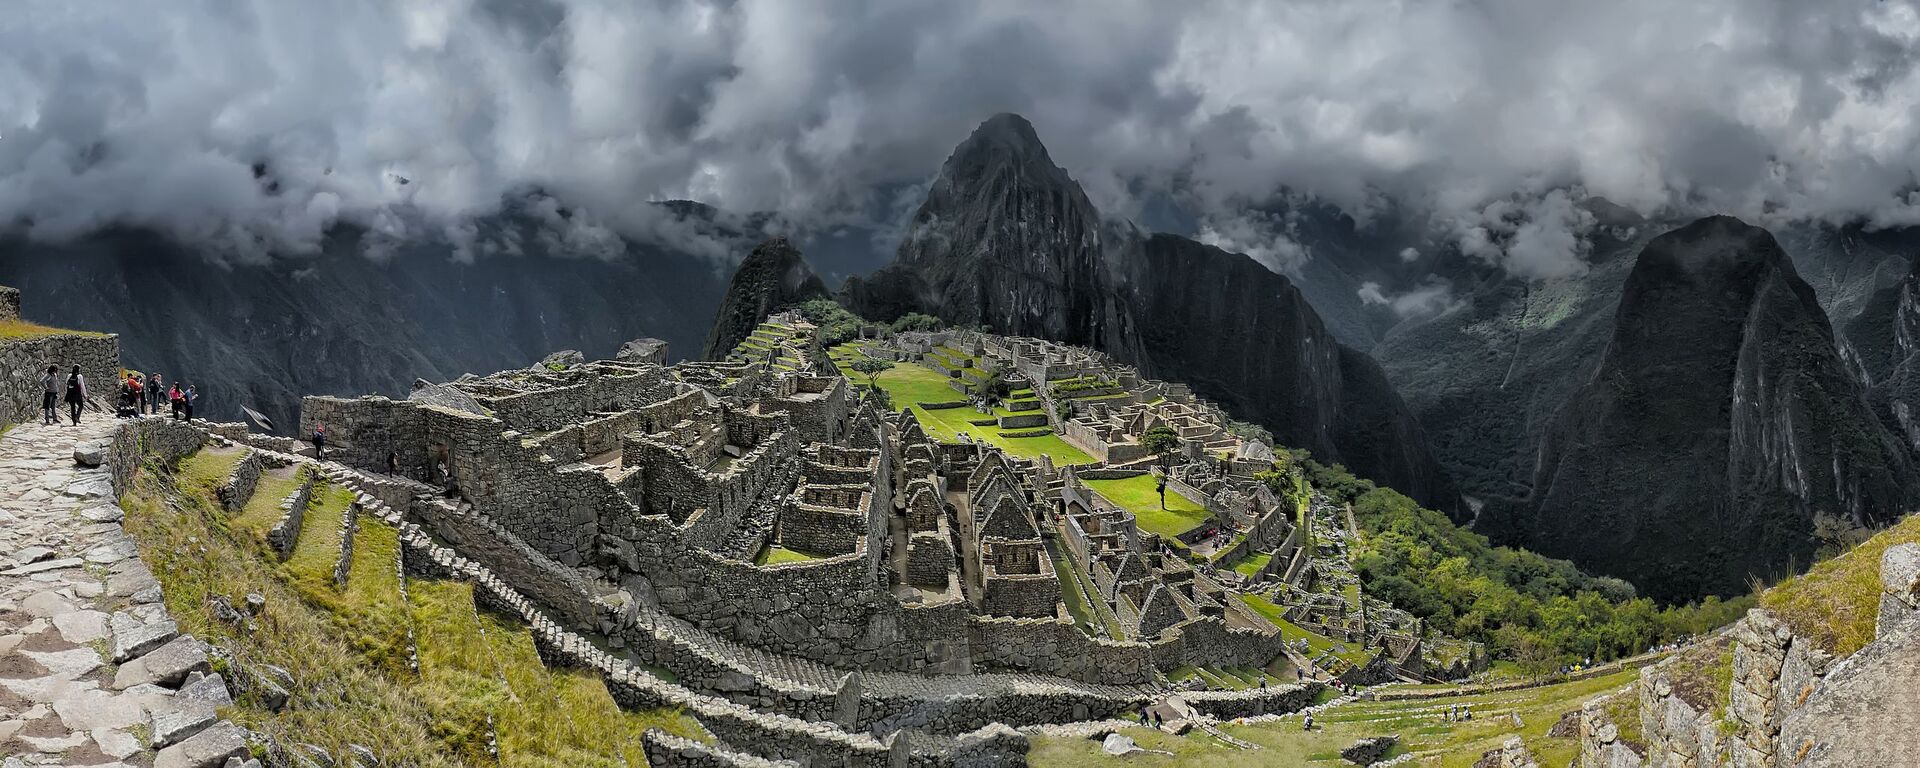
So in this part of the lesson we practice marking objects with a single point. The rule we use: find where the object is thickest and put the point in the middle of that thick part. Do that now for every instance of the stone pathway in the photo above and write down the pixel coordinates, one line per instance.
(92, 670)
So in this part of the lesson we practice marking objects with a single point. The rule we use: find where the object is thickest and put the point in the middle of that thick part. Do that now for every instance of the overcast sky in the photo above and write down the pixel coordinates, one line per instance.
(1492, 114)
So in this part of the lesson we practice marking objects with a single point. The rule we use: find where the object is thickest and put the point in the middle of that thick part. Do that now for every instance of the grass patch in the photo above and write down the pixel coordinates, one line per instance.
(20, 330)
(912, 384)
(775, 554)
(263, 510)
(1836, 603)
(1252, 564)
(1138, 495)
(1317, 643)
(1421, 724)
(346, 648)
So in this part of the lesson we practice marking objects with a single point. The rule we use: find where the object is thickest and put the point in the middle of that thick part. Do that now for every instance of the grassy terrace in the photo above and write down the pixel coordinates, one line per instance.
(1421, 724)
(1836, 603)
(1252, 564)
(912, 385)
(1138, 495)
(18, 330)
(1316, 643)
(775, 554)
(347, 648)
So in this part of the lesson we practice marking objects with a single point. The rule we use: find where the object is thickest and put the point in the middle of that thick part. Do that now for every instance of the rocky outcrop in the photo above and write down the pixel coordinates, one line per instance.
(1007, 240)
(773, 276)
(1720, 423)
(1865, 711)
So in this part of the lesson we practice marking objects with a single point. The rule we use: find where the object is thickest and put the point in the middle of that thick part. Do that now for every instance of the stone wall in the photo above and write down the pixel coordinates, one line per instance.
(234, 492)
(24, 361)
(137, 440)
(9, 304)
(1056, 647)
(1600, 742)
(293, 515)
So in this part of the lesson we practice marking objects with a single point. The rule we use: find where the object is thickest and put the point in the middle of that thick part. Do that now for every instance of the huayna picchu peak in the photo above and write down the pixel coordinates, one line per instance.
(1723, 433)
(1007, 240)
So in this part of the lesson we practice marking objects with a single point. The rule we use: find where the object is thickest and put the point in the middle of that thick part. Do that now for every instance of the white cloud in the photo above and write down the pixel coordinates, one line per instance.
(153, 114)
(1265, 237)
(1431, 298)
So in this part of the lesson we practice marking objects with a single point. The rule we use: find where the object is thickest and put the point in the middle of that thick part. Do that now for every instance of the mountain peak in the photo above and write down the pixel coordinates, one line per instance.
(1005, 142)
(772, 276)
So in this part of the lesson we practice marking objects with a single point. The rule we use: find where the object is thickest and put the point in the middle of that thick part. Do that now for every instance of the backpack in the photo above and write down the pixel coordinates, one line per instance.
(73, 388)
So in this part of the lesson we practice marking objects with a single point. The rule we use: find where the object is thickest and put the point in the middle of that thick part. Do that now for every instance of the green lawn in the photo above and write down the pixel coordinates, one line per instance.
(775, 554)
(911, 384)
(1252, 565)
(1316, 643)
(1138, 495)
(1421, 725)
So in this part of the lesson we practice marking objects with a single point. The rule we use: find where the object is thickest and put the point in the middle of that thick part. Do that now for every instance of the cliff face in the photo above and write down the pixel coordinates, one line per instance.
(1008, 240)
(774, 275)
(340, 323)
(1721, 420)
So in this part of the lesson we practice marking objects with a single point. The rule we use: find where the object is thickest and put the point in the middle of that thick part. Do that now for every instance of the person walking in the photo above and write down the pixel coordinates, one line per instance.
(50, 396)
(187, 399)
(320, 441)
(76, 394)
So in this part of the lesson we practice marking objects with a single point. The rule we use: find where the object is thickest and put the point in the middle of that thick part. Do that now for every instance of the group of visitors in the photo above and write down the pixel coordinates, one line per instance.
(1459, 713)
(141, 394)
(75, 395)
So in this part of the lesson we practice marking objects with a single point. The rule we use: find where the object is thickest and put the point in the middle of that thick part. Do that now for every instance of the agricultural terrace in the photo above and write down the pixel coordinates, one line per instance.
(911, 385)
(1140, 495)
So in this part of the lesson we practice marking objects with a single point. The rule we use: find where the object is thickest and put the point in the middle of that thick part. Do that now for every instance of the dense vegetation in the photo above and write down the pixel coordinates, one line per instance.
(1535, 610)
(837, 325)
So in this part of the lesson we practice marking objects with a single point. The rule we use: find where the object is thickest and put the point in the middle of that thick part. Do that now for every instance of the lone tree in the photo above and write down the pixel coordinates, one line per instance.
(872, 367)
(1161, 441)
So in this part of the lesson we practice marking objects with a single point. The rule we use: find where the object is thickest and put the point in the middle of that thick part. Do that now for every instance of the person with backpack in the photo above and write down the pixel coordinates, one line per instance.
(137, 387)
(319, 441)
(173, 399)
(76, 394)
(187, 399)
(50, 396)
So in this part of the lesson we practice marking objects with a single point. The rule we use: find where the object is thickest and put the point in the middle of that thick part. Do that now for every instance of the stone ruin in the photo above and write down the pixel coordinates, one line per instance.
(817, 579)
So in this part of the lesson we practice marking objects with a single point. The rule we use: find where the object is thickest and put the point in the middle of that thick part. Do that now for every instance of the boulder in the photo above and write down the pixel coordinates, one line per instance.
(209, 748)
(1369, 751)
(92, 453)
(643, 350)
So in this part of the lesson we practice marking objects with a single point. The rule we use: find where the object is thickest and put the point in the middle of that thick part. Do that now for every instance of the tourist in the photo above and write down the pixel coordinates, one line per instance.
(156, 392)
(76, 394)
(186, 402)
(319, 441)
(50, 396)
(393, 462)
(1306, 723)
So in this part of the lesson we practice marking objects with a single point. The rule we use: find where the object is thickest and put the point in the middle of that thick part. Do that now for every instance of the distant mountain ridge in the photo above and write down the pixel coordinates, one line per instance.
(1007, 240)
(1721, 424)
(338, 322)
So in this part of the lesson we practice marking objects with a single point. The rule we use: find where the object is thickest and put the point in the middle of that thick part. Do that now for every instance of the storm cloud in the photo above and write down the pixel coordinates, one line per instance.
(257, 125)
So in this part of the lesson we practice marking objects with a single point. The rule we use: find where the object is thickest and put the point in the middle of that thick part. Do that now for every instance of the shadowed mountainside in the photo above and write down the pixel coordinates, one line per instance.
(1007, 240)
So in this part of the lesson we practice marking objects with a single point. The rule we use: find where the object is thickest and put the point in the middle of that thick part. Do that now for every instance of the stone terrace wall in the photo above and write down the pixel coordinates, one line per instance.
(1057, 647)
(238, 488)
(23, 361)
(164, 440)
(9, 304)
